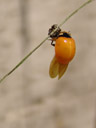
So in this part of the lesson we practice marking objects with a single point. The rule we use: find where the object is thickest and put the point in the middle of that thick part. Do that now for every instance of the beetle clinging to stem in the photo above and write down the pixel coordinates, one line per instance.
(64, 51)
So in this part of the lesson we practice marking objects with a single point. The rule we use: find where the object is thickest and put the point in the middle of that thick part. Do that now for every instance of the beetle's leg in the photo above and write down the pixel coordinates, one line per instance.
(52, 43)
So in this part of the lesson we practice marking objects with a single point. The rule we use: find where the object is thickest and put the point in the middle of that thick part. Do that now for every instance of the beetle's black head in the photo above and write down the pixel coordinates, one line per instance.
(65, 34)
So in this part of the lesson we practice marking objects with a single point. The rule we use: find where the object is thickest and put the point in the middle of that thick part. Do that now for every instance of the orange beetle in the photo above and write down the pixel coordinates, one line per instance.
(64, 51)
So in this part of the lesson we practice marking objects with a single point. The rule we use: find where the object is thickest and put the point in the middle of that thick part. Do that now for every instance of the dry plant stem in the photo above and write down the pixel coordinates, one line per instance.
(30, 53)
(67, 18)
(23, 59)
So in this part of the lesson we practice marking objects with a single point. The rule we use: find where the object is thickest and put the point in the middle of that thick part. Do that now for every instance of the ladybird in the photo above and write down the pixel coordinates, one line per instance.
(65, 49)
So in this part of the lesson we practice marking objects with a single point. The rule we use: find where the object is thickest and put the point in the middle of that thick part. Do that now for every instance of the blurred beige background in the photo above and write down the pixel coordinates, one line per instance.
(29, 98)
